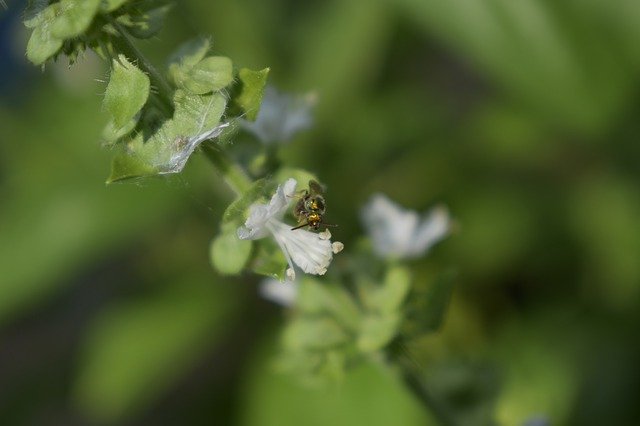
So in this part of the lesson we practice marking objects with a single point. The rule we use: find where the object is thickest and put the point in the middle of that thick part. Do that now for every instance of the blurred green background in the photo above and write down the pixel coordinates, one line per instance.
(520, 115)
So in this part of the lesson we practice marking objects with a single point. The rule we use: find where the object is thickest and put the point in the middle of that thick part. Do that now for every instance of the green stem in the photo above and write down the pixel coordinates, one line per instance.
(232, 173)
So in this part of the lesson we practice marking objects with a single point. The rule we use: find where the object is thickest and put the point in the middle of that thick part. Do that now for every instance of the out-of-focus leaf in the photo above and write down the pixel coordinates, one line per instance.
(74, 18)
(388, 296)
(317, 297)
(127, 91)
(349, 37)
(377, 331)
(229, 253)
(43, 44)
(135, 351)
(580, 81)
(314, 334)
(249, 97)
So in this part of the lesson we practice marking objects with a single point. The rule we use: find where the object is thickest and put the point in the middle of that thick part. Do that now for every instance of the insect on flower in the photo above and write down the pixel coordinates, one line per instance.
(310, 208)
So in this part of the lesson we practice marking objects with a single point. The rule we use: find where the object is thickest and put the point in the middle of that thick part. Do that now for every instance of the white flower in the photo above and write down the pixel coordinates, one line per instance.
(281, 116)
(282, 294)
(310, 251)
(401, 234)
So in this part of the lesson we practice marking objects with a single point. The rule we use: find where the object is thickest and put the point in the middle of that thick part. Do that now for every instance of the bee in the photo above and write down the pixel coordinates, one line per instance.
(310, 208)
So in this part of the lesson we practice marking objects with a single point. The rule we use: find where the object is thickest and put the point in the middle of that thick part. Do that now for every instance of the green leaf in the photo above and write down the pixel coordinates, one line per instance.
(250, 93)
(126, 166)
(195, 114)
(186, 57)
(112, 134)
(210, 74)
(314, 334)
(43, 44)
(127, 91)
(269, 260)
(377, 331)
(237, 210)
(111, 5)
(229, 253)
(74, 18)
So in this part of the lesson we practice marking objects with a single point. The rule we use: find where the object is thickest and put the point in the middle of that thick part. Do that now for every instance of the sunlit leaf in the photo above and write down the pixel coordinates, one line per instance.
(126, 92)
(195, 119)
(210, 74)
(186, 57)
(74, 18)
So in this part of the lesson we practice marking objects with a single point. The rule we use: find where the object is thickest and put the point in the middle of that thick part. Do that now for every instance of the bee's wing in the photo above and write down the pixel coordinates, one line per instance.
(315, 187)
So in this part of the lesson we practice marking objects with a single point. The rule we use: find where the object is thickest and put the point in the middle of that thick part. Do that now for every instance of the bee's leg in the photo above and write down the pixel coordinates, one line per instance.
(300, 226)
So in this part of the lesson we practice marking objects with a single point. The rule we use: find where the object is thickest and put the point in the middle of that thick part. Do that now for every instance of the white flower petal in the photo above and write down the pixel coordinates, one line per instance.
(281, 293)
(255, 226)
(311, 253)
(397, 232)
(434, 228)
